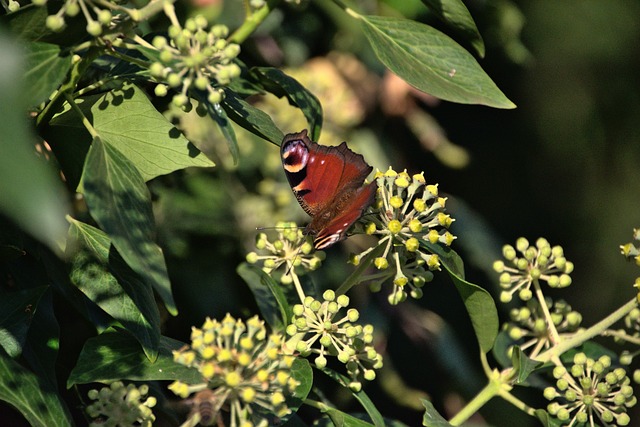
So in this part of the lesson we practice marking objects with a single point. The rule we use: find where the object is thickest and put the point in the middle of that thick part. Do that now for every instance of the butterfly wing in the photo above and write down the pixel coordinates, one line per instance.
(335, 229)
(318, 173)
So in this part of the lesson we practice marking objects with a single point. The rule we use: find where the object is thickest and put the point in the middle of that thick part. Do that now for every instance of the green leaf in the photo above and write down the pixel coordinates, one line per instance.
(22, 389)
(101, 274)
(16, 314)
(456, 15)
(546, 419)
(31, 195)
(300, 371)
(43, 340)
(360, 396)
(431, 417)
(115, 355)
(250, 118)
(222, 120)
(129, 121)
(281, 85)
(342, 419)
(480, 306)
(120, 202)
(46, 68)
(431, 61)
(268, 294)
(523, 365)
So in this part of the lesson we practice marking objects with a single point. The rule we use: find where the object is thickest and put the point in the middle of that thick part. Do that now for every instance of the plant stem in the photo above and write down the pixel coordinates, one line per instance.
(495, 387)
(87, 124)
(353, 279)
(553, 332)
(252, 22)
(587, 334)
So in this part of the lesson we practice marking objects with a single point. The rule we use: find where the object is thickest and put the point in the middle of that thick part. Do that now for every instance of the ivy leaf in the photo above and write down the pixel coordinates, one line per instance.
(115, 355)
(281, 85)
(431, 61)
(432, 417)
(268, 294)
(101, 274)
(120, 202)
(46, 68)
(16, 314)
(222, 120)
(129, 121)
(36, 401)
(480, 306)
(251, 118)
(456, 15)
(523, 365)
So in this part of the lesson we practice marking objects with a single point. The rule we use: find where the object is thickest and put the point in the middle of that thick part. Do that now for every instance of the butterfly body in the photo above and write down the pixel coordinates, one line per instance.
(327, 181)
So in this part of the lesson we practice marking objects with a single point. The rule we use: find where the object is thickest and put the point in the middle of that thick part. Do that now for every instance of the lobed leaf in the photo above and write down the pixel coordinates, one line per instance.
(116, 355)
(36, 401)
(46, 68)
(16, 314)
(103, 276)
(120, 202)
(431, 61)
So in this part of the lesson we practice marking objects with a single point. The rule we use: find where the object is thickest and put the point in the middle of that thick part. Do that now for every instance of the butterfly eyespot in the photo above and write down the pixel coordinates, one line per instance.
(327, 181)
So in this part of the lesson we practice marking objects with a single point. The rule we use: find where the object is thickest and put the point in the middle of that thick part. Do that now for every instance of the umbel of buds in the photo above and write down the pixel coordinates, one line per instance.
(194, 59)
(120, 405)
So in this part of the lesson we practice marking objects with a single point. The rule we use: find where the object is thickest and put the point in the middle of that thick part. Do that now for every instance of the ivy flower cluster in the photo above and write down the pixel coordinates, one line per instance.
(98, 14)
(120, 405)
(529, 323)
(591, 392)
(535, 263)
(244, 368)
(411, 217)
(291, 248)
(337, 336)
(194, 59)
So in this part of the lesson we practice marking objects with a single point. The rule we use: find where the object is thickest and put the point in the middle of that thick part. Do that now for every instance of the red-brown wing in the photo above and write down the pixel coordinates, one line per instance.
(336, 229)
(318, 173)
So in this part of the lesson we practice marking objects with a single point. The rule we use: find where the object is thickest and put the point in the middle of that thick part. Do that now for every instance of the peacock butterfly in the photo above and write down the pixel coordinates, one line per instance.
(327, 181)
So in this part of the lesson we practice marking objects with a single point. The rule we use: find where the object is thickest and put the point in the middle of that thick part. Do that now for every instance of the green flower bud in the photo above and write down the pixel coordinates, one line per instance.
(54, 23)
(94, 28)
(72, 9)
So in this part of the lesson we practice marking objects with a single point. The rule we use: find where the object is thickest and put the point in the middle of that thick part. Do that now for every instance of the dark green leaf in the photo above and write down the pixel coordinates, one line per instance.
(480, 306)
(431, 61)
(250, 118)
(456, 15)
(360, 396)
(31, 195)
(46, 69)
(281, 85)
(342, 419)
(222, 120)
(546, 419)
(300, 371)
(16, 314)
(115, 355)
(523, 365)
(500, 348)
(101, 274)
(268, 294)
(431, 417)
(120, 202)
(22, 389)
(43, 340)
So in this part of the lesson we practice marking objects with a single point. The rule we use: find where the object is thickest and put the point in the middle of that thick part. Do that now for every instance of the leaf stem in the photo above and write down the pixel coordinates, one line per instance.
(498, 385)
(353, 279)
(87, 124)
(252, 22)
(593, 331)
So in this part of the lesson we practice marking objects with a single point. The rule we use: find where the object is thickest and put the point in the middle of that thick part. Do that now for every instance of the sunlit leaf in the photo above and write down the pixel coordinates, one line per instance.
(16, 314)
(120, 202)
(431, 61)
(46, 68)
